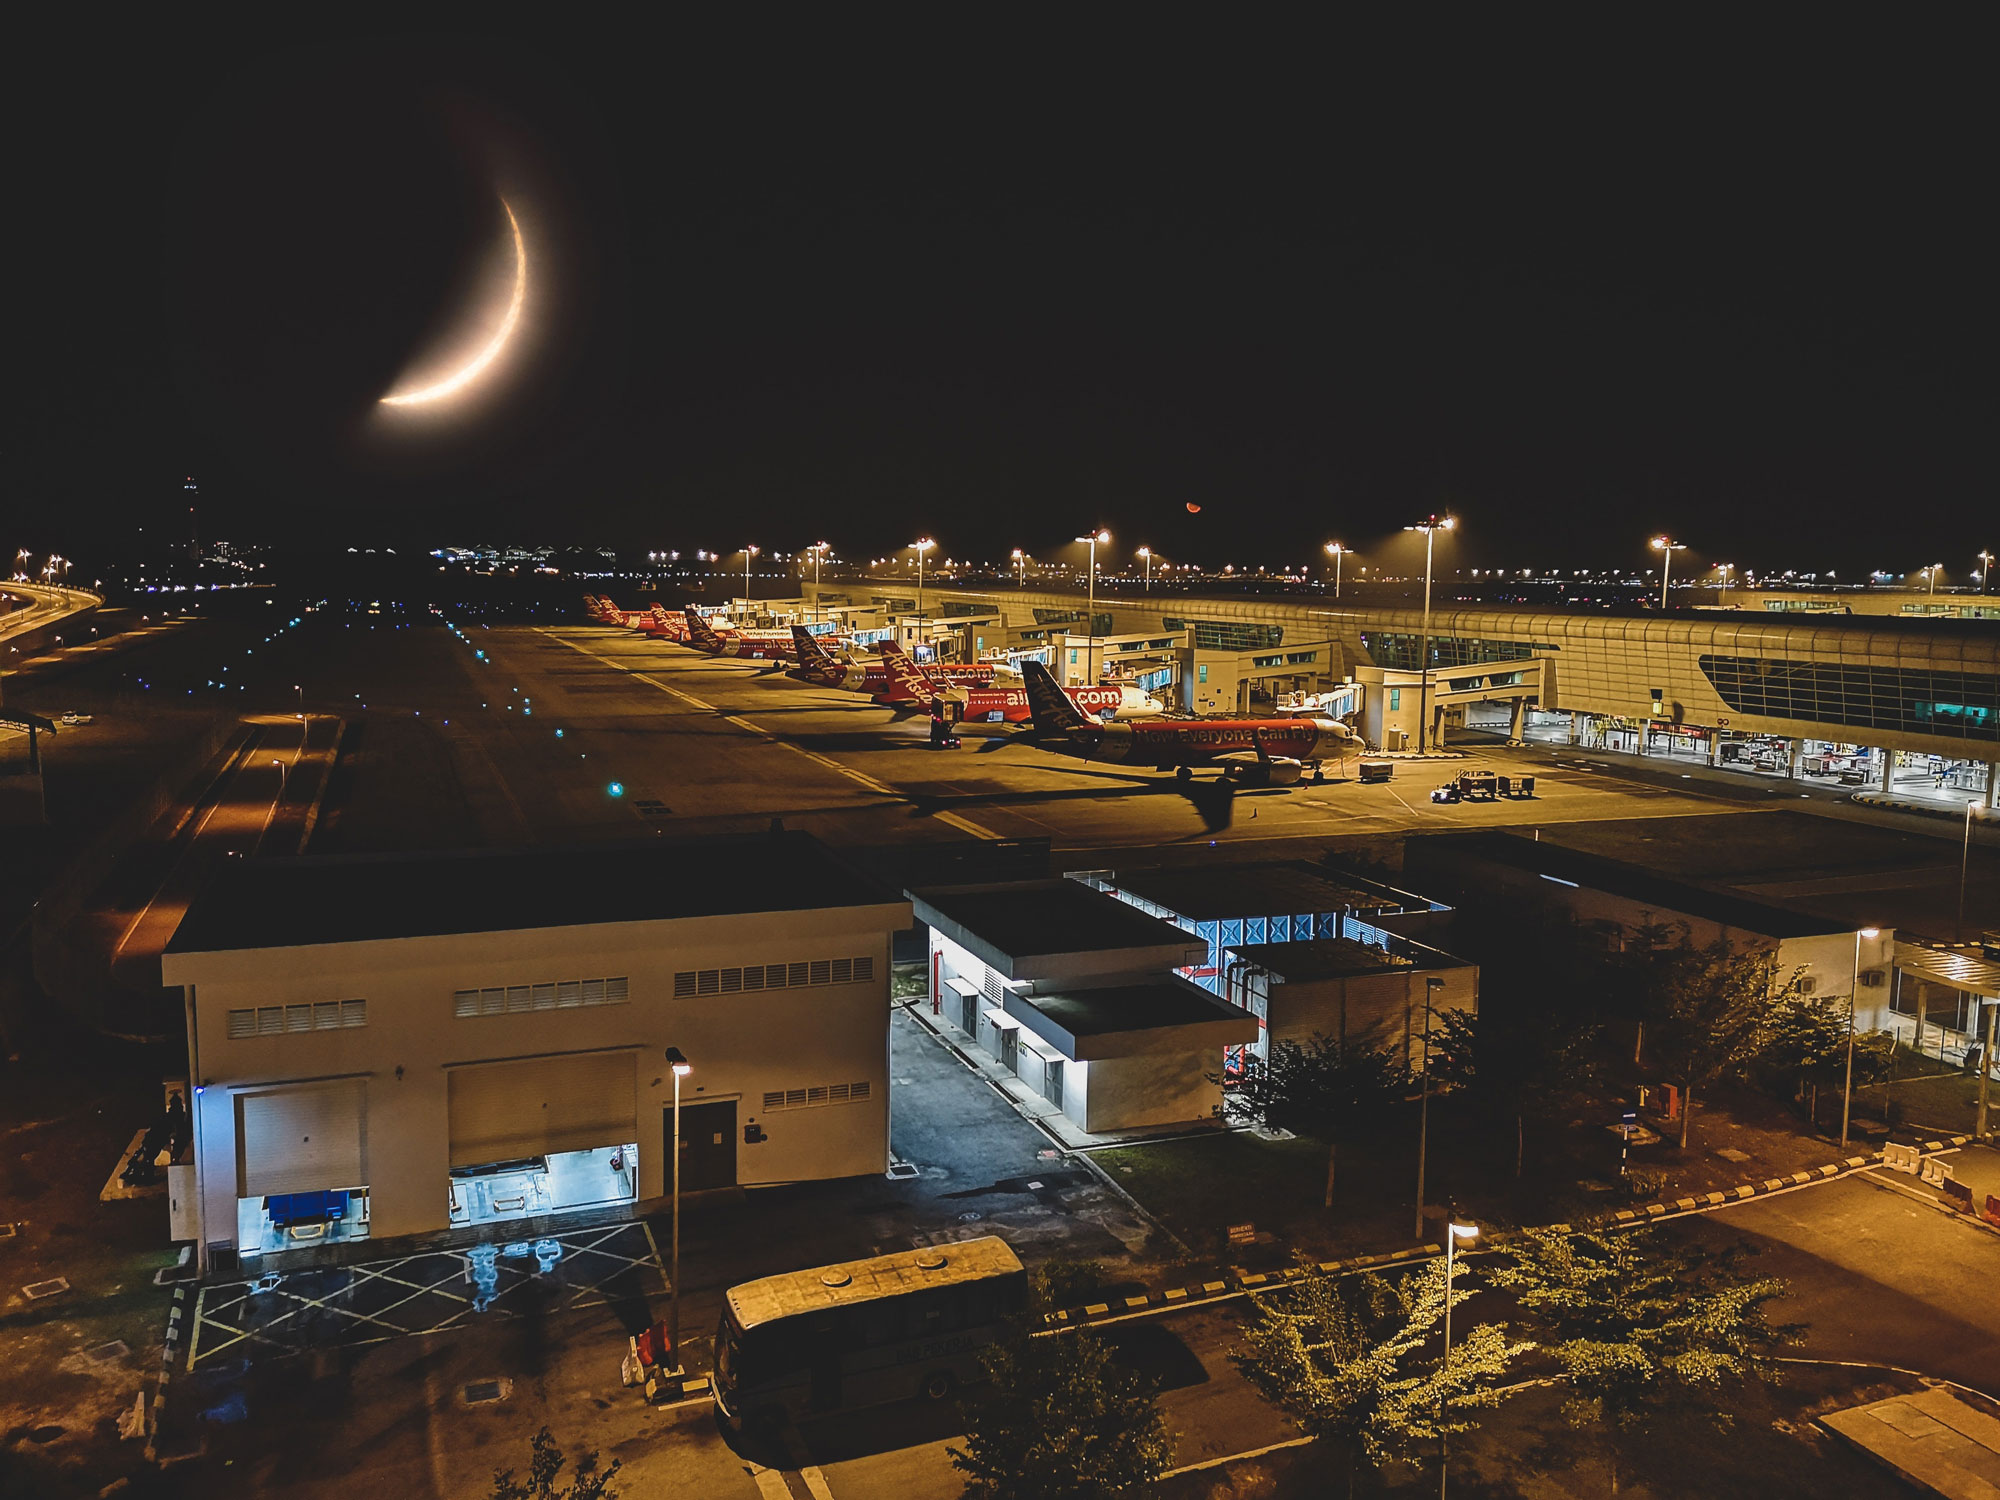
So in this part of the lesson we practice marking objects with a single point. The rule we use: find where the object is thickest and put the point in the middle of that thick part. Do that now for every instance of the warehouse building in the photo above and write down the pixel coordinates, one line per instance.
(417, 1044)
(1072, 993)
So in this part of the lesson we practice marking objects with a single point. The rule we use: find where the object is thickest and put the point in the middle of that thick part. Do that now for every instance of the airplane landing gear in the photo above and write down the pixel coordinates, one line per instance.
(1183, 774)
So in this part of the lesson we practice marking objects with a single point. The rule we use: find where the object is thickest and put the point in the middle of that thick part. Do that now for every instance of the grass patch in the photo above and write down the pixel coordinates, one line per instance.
(1201, 1185)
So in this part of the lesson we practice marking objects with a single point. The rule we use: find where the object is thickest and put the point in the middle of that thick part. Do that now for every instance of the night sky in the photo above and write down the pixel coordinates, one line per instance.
(1001, 285)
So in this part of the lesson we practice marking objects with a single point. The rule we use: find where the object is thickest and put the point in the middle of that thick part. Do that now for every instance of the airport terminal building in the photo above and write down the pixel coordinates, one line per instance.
(1873, 702)
(422, 1044)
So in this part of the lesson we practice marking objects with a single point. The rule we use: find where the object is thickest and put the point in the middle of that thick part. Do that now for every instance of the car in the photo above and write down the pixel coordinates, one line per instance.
(1447, 793)
(71, 716)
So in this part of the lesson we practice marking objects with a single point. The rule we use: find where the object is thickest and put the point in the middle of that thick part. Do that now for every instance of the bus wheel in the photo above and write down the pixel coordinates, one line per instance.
(937, 1385)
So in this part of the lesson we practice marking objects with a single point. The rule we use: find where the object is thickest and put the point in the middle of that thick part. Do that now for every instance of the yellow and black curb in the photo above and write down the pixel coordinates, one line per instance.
(1237, 1283)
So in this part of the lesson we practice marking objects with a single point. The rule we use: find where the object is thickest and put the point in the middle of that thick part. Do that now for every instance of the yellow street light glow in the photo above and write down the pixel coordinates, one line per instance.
(453, 384)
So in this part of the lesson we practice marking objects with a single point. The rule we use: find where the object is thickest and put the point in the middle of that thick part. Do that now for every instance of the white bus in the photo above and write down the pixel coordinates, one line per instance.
(864, 1332)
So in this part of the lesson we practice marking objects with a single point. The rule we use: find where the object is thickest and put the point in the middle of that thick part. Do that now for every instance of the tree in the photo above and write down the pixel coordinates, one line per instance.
(545, 1468)
(1326, 1089)
(1806, 1040)
(1640, 1324)
(1347, 1360)
(1709, 1009)
(1515, 1062)
(1063, 1422)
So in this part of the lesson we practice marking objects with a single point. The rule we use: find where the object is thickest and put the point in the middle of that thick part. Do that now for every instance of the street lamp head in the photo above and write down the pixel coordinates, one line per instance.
(1449, 523)
(1145, 552)
(1871, 933)
(677, 1060)
(1335, 548)
(922, 544)
(1463, 1233)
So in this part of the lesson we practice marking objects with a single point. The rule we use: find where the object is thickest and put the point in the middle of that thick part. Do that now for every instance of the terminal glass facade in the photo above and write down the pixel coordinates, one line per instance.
(1403, 649)
(1235, 635)
(1964, 705)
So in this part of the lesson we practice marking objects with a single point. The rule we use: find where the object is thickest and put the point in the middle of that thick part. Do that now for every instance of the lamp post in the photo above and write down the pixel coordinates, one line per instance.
(818, 551)
(1090, 676)
(1430, 529)
(920, 547)
(1985, 567)
(1432, 984)
(681, 1068)
(1020, 568)
(1666, 548)
(1725, 569)
(1147, 554)
(1932, 572)
(748, 614)
(1455, 1230)
(1337, 552)
(1853, 997)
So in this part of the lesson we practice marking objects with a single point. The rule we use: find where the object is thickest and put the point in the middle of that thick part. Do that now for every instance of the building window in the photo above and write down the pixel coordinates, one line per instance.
(752, 977)
(1395, 699)
(518, 999)
(1403, 649)
(1201, 672)
(277, 1020)
(815, 1096)
(1914, 700)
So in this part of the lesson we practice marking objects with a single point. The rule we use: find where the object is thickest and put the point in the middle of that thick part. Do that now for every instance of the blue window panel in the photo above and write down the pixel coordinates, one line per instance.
(1256, 930)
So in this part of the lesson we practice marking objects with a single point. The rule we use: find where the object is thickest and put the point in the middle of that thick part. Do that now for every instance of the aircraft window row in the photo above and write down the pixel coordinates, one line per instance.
(753, 977)
(1964, 705)
(565, 994)
(276, 1020)
(813, 1098)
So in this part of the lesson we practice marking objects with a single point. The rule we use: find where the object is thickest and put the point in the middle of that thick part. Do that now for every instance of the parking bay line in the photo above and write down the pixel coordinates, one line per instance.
(955, 820)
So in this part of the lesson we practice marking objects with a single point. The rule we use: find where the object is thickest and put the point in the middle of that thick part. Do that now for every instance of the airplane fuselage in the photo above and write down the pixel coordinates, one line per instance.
(1166, 744)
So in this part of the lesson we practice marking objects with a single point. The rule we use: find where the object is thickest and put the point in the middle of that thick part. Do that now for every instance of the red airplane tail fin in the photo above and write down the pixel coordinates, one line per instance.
(698, 632)
(906, 679)
(810, 652)
(1050, 709)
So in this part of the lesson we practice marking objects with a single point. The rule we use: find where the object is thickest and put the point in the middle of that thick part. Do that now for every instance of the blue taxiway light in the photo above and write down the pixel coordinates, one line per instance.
(617, 788)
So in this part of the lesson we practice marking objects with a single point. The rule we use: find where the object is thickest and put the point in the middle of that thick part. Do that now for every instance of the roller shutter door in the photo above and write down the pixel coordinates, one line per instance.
(500, 1111)
(301, 1140)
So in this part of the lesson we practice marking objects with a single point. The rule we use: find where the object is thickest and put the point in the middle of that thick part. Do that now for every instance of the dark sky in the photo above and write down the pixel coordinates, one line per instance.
(1578, 286)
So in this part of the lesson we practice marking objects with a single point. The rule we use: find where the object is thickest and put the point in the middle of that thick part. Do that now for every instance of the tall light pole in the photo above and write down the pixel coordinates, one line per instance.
(1455, 1230)
(681, 1068)
(1090, 676)
(1853, 996)
(1020, 568)
(818, 551)
(1666, 548)
(920, 547)
(1725, 569)
(1432, 984)
(748, 553)
(1985, 567)
(1430, 529)
(1932, 570)
(1337, 552)
(1147, 554)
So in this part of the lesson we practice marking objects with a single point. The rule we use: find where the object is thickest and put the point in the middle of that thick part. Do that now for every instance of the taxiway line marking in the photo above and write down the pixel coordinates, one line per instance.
(862, 778)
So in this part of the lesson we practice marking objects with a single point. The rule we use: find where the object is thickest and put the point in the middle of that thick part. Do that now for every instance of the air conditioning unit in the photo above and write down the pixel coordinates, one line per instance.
(1872, 978)
(1808, 985)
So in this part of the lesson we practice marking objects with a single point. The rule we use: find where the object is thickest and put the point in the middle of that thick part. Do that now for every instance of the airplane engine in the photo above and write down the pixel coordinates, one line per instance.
(1279, 770)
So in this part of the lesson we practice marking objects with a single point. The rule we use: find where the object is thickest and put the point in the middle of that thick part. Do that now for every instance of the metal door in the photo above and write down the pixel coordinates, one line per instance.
(1052, 1081)
(708, 1145)
(1010, 1049)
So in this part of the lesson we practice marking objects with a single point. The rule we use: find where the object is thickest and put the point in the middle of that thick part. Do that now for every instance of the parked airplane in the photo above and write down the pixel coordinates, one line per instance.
(604, 612)
(745, 645)
(1252, 752)
(821, 668)
(1007, 705)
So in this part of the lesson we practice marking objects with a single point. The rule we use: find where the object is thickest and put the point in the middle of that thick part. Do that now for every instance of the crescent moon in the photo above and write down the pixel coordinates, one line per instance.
(452, 384)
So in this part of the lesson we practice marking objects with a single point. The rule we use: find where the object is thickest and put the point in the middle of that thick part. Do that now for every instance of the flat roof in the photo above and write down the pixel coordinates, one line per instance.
(289, 903)
(1121, 1019)
(1039, 918)
(1338, 958)
(1615, 877)
(1221, 892)
(756, 1302)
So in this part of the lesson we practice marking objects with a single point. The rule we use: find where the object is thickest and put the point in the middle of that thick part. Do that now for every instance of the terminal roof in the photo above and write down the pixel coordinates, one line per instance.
(1662, 893)
(288, 903)
(1028, 929)
(1223, 892)
(1341, 958)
